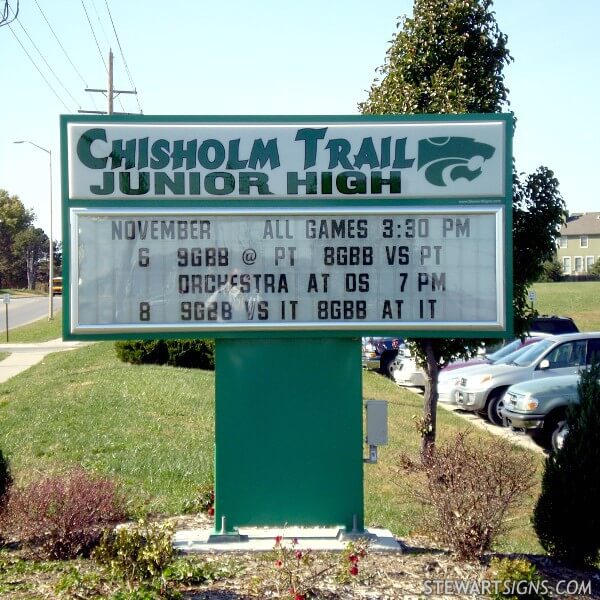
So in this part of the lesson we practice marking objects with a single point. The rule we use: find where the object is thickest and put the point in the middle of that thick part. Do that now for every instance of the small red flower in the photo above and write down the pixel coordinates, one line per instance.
(298, 554)
(278, 563)
(299, 597)
(278, 540)
(353, 558)
(211, 511)
(353, 570)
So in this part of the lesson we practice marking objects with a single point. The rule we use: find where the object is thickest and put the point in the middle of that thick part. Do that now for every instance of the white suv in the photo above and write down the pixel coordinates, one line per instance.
(482, 389)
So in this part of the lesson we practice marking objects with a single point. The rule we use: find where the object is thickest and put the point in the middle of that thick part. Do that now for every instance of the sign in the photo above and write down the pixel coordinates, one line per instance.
(6, 298)
(221, 227)
(532, 296)
(453, 158)
(364, 269)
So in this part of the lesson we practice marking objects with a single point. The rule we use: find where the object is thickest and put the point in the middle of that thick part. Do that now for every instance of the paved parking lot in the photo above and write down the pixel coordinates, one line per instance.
(519, 439)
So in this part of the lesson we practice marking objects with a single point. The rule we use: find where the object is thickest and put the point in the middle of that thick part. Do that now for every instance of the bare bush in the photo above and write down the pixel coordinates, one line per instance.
(62, 516)
(471, 485)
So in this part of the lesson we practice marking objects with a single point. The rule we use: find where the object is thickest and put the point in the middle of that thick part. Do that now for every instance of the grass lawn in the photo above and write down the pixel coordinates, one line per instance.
(578, 300)
(3, 355)
(153, 428)
(18, 293)
(41, 330)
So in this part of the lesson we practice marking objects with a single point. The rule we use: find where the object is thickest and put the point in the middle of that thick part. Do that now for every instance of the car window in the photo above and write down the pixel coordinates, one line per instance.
(504, 351)
(507, 351)
(569, 354)
(593, 355)
(511, 358)
(532, 353)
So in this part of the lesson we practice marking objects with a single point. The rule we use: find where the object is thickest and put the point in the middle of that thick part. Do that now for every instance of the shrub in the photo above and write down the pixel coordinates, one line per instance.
(143, 352)
(137, 553)
(203, 501)
(192, 354)
(471, 485)
(6, 480)
(192, 571)
(552, 271)
(566, 517)
(595, 268)
(295, 574)
(63, 516)
(516, 578)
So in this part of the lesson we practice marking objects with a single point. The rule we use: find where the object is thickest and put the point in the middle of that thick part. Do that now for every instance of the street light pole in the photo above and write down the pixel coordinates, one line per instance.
(51, 245)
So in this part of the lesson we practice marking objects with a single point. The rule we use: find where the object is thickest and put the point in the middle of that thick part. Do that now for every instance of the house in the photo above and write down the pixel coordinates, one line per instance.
(579, 243)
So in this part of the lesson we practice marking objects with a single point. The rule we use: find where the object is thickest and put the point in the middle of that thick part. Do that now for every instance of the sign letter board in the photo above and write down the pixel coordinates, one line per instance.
(247, 226)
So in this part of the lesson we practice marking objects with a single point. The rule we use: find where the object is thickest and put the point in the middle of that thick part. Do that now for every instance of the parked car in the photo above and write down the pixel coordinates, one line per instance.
(482, 390)
(408, 373)
(380, 353)
(451, 375)
(539, 407)
(553, 325)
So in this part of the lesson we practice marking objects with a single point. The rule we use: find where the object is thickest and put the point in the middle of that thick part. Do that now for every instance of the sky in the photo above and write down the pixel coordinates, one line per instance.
(268, 57)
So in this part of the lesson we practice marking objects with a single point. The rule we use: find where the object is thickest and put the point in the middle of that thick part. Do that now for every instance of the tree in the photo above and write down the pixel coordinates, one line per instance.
(31, 245)
(566, 517)
(449, 58)
(551, 270)
(595, 269)
(14, 218)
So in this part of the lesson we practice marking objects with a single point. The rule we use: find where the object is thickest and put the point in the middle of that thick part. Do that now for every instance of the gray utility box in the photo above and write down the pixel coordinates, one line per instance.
(377, 422)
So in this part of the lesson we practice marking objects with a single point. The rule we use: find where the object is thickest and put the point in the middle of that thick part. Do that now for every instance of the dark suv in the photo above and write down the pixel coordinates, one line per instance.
(553, 325)
(380, 353)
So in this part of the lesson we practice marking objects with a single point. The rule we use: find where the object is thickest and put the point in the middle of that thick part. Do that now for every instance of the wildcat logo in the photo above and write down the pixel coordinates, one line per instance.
(450, 158)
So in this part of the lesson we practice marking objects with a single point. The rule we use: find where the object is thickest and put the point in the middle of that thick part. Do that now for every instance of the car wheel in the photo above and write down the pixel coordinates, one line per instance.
(558, 435)
(495, 404)
(388, 365)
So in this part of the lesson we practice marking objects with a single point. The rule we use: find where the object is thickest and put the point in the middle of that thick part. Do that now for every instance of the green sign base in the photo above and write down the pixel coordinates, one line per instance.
(288, 433)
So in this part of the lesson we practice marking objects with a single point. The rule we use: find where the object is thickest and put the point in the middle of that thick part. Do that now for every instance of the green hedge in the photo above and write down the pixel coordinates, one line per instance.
(191, 354)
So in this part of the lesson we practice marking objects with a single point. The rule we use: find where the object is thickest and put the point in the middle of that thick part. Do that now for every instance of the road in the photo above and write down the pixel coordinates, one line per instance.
(25, 310)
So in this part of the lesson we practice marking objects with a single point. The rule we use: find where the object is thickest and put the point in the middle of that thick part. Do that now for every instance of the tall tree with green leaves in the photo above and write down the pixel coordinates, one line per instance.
(449, 57)
(14, 218)
(31, 247)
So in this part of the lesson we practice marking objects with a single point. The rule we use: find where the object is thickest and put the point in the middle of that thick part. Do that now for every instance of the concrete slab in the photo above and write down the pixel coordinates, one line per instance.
(515, 437)
(258, 539)
(23, 356)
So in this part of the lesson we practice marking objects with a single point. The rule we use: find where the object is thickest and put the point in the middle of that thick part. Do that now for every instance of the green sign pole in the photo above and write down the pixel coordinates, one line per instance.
(289, 433)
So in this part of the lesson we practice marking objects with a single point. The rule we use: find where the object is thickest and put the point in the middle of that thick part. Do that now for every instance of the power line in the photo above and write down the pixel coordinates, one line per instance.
(4, 19)
(94, 34)
(38, 70)
(123, 55)
(97, 44)
(111, 93)
(100, 23)
(64, 51)
(61, 46)
(47, 63)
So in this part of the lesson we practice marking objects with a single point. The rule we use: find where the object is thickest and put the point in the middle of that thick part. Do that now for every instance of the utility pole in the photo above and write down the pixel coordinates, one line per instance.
(110, 92)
